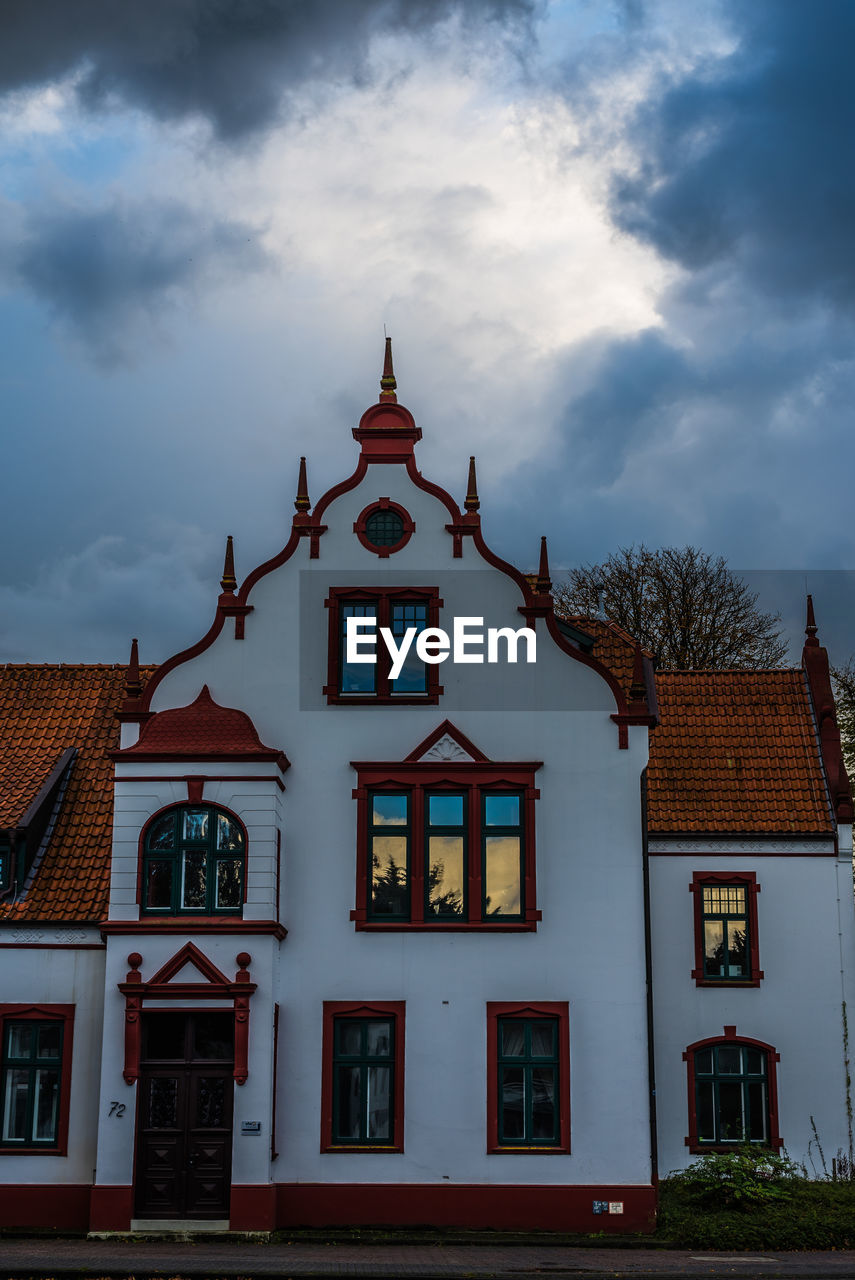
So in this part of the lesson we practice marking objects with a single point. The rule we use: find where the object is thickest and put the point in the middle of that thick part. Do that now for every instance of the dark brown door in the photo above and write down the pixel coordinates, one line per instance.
(184, 1138)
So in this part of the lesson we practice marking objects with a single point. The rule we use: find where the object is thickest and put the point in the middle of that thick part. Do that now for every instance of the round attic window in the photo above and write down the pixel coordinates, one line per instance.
(384, 527)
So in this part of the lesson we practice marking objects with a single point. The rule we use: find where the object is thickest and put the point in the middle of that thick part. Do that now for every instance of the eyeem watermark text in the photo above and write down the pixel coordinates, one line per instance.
(433, 645)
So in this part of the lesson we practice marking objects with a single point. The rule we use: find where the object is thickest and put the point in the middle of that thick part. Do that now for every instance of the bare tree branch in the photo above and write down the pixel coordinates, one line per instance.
(686, 607)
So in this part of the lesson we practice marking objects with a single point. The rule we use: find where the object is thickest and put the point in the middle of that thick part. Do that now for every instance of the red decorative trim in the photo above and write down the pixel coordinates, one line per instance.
(161, 987)
(141, 855)
(199, 924)
(111, 1208)
(57, 1206)
(253, 1208)
(559, 1010)
(772, 1058)
(383, 504)
(556, 1207)
(195, 790)
(748, 880)
(739, 853)
(447, 729)
(202, 777)
(383, 597)
(333, 1009)
(63, 1013)
(415, 778)
(387, 432)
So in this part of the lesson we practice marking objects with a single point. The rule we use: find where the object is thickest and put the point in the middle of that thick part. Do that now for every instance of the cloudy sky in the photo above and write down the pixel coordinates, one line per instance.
(612, 240)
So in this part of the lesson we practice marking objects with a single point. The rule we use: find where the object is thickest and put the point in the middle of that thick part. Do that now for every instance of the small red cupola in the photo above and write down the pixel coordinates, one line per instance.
(387, 431)
(204, 730)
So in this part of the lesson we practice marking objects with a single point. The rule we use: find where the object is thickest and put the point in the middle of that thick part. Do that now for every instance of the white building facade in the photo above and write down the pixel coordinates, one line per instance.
(404, 948)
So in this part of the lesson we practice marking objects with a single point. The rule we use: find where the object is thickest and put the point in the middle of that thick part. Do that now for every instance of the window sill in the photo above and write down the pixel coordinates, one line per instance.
(754, 981)
(9, 1150)
(698, 1148)
(382, 699)
(356, 1150)
(528, 1151)
(465, 926)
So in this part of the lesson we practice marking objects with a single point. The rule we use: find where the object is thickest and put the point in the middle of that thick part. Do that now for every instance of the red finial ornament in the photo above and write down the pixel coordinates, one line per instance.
(301, 502)
(810, 628)
(472, 502)
(133, 687)
(544, 582)
(228, 582)
(388, 384)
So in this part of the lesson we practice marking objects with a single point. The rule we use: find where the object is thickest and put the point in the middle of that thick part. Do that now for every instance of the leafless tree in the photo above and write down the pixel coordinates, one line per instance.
(843, 681)
(686, 607)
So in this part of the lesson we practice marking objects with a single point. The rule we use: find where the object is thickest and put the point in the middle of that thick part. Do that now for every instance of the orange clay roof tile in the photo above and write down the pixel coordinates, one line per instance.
(43, 711)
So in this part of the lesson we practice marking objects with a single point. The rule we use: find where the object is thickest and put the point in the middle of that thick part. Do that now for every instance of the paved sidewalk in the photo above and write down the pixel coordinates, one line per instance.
(99, 1259)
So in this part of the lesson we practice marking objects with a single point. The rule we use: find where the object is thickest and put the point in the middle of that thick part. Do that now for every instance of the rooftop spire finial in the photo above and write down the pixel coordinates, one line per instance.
(544, 582)
(133, 687)
(472, 501)
(388, 384)
(301, 502)
(228, 582)
(810, 627)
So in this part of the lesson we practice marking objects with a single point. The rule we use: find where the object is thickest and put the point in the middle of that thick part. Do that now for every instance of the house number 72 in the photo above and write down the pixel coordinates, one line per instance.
(117, 1109)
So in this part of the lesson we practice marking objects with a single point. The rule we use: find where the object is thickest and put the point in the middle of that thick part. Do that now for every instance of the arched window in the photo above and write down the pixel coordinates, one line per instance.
(732, 1094)
(194, 862)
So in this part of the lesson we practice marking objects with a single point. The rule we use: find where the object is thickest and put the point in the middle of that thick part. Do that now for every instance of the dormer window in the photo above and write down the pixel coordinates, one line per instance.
(193, 862)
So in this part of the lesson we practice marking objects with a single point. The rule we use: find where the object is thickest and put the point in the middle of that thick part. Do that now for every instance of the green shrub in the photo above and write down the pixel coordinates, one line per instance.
(752, 1200)
(738, 1179)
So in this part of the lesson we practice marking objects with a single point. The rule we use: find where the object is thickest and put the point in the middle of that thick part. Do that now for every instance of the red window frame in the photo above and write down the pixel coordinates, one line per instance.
(333, 1010)
(772, 1058)
(383, 504)
(748, 881)
(476, 779)
(552, 1009)
(383, 598)
(63, 1013)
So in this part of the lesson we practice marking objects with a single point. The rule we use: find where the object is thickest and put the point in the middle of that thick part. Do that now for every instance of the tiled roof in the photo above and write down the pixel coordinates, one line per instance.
(201, 730)
(735, 751)
(43, 711)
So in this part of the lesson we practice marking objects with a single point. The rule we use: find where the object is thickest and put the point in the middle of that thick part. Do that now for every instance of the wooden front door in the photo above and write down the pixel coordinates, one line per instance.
(184, 1136)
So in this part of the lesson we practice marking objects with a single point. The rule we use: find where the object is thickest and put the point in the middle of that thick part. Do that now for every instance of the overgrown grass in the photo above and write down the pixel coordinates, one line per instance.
(751, 1199)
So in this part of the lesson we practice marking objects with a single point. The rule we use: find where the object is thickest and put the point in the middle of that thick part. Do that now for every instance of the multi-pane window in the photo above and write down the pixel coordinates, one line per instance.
(404, 613)
(725, 923)
(389, 853)
(362, 1078)
(502, 846)
(193, 862)
(446, 849)
(363, 1081)
(420, 867)
(527, 1061)
(384, 528)
(31, 1082)
(731, 1094)
(726, 950)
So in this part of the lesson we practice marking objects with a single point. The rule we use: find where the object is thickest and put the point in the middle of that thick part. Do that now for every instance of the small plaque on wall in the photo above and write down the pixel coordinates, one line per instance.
(250, 1126)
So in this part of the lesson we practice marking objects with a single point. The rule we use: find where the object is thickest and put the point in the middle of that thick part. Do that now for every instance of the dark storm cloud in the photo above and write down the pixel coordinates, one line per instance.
(107, 272)
(749, 160)
(229, 61)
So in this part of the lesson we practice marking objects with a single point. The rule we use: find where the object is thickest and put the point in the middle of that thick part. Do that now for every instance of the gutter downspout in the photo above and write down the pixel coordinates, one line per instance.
(648, 971)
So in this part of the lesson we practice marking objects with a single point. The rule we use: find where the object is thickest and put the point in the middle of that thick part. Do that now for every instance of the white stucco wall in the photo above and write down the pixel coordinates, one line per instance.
(46, 970)
(806, 935)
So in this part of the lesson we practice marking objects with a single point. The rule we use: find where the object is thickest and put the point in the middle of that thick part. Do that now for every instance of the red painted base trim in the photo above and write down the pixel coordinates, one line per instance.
(111, 1208)
(513, 1208)
(253, 1208)
(44, 1205)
